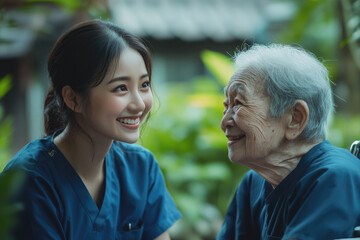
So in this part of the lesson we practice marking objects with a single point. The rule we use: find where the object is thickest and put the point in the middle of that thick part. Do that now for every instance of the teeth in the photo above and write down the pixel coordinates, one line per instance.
(235, 138)
(130, 121)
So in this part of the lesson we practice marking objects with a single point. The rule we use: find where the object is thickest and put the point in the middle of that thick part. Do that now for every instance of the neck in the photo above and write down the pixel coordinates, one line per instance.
(280, 163)
(86, 155)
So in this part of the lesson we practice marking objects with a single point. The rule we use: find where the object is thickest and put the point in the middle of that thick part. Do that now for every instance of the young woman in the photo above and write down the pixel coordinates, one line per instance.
(85, 180)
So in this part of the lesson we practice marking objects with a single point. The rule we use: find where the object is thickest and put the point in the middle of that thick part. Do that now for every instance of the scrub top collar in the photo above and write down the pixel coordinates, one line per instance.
(96, 215)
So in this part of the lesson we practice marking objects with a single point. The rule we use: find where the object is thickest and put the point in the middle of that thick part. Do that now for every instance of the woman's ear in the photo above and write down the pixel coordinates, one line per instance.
(71, 98)
(299, 116)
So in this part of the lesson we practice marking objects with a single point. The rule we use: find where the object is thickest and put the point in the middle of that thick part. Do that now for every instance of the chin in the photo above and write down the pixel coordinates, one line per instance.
(234, 159)
(133, 139)
(129, 140)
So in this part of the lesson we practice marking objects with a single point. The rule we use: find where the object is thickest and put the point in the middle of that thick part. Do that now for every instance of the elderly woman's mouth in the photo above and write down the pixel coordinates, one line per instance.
(235, 138)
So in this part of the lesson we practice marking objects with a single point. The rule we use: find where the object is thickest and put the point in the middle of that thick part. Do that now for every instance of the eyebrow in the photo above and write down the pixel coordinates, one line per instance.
(126, 78)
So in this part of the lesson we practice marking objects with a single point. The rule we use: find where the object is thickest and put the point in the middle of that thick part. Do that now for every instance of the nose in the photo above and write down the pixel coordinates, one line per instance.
(227, 120)
(136, 104)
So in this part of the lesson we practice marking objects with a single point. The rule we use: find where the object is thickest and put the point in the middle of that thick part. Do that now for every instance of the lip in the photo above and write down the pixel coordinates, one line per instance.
(130, 126)
(234, 139)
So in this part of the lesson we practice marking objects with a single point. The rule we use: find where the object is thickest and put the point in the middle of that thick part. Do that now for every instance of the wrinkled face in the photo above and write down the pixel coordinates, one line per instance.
(252, 134)
(119, 104)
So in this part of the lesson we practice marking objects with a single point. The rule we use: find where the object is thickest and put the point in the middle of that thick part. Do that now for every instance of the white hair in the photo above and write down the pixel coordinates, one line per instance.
(289, 74)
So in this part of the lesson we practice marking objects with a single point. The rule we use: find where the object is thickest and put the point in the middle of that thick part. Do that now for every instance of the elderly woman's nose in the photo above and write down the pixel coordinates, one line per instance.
(227, 121)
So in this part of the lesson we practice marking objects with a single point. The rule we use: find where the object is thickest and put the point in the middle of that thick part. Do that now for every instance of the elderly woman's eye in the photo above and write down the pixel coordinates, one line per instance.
(226, 106)
(237, 102)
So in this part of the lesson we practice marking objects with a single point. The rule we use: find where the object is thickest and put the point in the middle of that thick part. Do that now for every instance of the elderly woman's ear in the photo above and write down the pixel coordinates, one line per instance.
(298, 116)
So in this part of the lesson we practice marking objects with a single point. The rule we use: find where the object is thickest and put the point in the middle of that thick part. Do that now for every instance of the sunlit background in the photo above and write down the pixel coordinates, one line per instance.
(192, 43)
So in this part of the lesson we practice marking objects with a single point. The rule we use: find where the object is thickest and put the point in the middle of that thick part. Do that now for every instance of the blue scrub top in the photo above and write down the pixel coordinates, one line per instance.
(57, 204)
(319, 199)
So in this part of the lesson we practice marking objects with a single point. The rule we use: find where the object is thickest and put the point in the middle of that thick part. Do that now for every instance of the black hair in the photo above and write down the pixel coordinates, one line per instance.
(80, 59)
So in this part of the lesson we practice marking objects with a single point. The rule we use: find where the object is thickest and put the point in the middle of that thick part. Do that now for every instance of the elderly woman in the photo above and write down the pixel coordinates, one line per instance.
(299, 186)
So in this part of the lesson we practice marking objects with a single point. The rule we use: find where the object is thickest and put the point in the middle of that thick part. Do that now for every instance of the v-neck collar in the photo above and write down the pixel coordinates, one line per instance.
(96, 215)
(290, 180)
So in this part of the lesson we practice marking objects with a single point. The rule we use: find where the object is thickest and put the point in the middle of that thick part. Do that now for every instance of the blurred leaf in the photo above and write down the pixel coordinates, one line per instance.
(191, 149)
(215, 171)
(5, 85)
(206, 85)
(5, 141)
(344, 130)
(70, 5)
(219, 65)
(301, 20)
(98, 10)
(9, 185)
(205, 100)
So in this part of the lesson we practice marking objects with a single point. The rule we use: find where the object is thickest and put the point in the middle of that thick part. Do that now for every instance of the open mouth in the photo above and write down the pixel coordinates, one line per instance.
(129, 121)
(235, 138)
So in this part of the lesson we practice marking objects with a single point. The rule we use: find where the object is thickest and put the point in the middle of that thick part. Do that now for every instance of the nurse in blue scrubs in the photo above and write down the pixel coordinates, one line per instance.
(299, 185)
(87, 179)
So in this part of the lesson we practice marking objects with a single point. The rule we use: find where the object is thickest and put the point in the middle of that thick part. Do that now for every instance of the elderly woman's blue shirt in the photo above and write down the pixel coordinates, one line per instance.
(319, 199)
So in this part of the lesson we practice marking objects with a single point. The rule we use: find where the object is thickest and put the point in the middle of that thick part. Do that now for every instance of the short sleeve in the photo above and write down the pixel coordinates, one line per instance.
(329, 210)
(161, 212)
(39, 218)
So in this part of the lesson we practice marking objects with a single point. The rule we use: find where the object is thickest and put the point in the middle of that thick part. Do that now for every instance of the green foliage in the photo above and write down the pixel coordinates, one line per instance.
(186, 138)
(95, 9)
(9, 184)
(351, 19)
(8, 181)
(219, 65)
(316, 28)
(5, 125)
(5, 141)
(344, 130)
(5, 85)
(69, 5)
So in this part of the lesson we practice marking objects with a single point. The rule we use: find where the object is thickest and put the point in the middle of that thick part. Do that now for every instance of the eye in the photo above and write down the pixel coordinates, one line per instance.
(226, 106)
(145, 84)
(121, 88)
(237, 102)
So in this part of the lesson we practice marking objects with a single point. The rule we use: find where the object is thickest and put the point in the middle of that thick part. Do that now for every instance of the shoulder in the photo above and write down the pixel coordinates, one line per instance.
(334, 160)
(31, 156)
(329, 169)
(132, 150)
(132, 155)
(34, 170)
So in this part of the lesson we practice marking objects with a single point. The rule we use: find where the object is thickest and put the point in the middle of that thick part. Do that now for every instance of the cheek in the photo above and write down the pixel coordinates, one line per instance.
(251, 122)
(107, 106)
(113, 104)
(148, 101)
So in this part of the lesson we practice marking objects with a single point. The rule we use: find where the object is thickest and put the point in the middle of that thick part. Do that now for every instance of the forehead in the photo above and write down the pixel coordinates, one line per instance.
(128, 62)
(235, 87)
(243, 85)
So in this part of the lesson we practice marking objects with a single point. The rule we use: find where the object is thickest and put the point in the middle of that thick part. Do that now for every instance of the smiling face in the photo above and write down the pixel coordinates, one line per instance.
(118, 105)
(253, 135)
